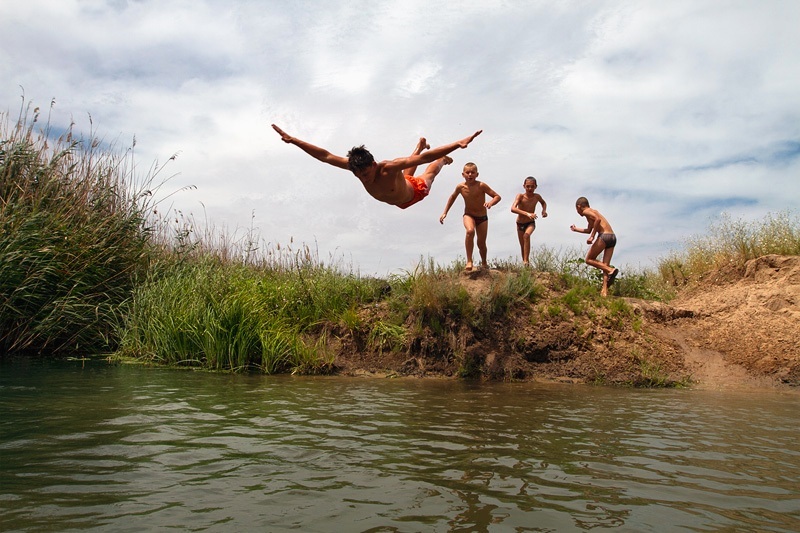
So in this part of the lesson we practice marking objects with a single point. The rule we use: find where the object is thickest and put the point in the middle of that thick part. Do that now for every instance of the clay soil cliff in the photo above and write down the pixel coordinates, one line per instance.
(734, 329)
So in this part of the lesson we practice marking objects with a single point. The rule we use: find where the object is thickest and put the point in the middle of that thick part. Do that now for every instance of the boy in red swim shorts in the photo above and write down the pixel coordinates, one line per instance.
(392, 181)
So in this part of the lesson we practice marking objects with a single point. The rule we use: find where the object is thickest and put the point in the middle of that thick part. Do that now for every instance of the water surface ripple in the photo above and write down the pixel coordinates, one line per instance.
(121, 448)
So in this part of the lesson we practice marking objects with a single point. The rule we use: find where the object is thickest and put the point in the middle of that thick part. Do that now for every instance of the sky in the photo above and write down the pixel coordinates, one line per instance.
(667, 116)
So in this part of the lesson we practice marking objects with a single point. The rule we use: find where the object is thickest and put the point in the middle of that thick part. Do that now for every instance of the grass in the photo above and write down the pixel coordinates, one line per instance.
(384, 336)
(620, 314)
(74, 238)
(579, 298)
(228, 316)
(508, 292)
(731, 243)
(430, 296)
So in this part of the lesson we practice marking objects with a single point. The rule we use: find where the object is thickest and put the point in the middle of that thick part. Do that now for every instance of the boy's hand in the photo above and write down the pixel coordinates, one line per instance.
(589, 240)
(284, 136)
(441, 218)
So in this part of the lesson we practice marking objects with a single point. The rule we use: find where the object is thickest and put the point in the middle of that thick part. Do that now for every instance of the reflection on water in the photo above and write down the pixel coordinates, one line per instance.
(126, 448)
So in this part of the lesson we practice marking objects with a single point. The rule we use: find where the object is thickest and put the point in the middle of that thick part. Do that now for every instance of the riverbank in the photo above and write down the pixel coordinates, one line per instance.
(91, 265)
(732, 329)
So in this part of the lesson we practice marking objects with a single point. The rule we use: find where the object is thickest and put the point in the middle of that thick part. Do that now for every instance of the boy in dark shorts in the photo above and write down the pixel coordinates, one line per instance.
(476, 219)
(605, 242)
(524, 207)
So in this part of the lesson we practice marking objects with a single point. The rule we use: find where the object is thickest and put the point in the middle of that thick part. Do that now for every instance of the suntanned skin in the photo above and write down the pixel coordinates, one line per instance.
(474, 193)
(524, 207)
(597, 224)
(385, 180)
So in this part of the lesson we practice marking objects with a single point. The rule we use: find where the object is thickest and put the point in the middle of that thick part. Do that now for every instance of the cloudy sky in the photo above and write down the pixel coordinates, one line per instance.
(664, 114)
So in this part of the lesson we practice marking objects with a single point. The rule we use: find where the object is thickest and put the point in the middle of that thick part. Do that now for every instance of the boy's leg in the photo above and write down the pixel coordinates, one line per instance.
(481, 230)
(612, 272)
(433, 170)
(422, 144)
(521, 238)
(591, 259)
(527, 237)
(607, 253)
(469, 239)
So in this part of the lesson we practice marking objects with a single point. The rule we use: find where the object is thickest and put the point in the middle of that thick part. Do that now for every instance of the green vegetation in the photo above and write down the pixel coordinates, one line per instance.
(431, 296)
(386, 337)
(730, 244)
(88, 263)
(73, 239)
(233, 316)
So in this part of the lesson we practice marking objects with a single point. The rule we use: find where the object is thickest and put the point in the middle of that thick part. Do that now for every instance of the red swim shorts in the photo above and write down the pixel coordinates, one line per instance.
(420, 190)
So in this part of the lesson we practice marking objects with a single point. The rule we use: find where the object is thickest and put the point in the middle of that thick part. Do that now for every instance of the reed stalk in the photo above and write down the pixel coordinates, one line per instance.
(73, 238)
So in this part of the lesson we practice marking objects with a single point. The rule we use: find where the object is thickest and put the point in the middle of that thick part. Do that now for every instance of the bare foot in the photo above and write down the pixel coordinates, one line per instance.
(468, 268)
(422, 145)
(604, 288)
(447, 159)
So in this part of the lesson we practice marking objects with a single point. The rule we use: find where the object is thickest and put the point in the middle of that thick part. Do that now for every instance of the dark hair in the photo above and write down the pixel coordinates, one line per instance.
(582, 201)
(359, 158)
(530, 178)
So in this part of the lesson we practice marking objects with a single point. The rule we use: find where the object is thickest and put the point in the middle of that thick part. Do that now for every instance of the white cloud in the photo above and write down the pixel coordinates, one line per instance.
(663, 114)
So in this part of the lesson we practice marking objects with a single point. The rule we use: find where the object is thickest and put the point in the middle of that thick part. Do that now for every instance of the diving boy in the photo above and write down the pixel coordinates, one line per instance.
(524, 207)
(605, 242)
(389, 181)
(476, 221)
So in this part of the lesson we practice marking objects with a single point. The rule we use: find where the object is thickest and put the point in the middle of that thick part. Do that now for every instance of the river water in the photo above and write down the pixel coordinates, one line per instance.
(93, 446)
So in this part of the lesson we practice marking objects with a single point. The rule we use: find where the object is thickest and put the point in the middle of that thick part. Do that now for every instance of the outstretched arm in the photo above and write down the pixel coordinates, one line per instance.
(576, 229)
(431, 155)
(314, 151)
(449, 205)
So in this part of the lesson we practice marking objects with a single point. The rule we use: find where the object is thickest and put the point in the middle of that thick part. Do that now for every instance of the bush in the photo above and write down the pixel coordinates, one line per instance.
(73, 240)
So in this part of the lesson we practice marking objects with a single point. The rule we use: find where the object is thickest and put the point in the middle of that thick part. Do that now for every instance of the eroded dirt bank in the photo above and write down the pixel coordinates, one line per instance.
(747, 324)
(733, 330)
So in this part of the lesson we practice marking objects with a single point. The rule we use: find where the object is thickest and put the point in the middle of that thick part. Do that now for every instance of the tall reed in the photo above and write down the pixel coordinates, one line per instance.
(73, 238)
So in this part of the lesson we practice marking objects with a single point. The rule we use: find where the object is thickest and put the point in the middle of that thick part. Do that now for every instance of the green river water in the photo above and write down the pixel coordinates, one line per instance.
(95, 446)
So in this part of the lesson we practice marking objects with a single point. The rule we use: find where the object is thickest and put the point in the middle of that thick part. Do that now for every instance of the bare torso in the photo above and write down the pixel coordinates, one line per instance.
(526, 203)
(597, 221)
(389, 186)
(474, 195)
